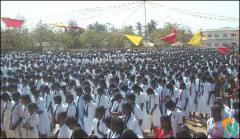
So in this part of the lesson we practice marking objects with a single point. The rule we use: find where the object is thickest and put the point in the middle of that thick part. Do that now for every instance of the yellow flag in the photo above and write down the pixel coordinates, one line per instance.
(134, 39)
(196, 39)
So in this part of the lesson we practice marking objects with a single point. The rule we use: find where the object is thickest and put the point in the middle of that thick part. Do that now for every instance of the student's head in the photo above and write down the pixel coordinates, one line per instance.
(170, 105)
(100, 112)
(183, 132)
(130, 97)
(79, 133)
(79, 91)
(100, 91)
(87, 97)
(150, 91)
(32, 107)
(165, 121)
(117, 125)
(71, 122)
(216, 112)
(200, 135)
(117, 97)
(127, 108)
(219, 101)
(69, 98)
(128, 133)
(25, 99)
(107, 121)
(61, 117)
(5, 97)
(57, 99)
(182, 85)
(16, 96)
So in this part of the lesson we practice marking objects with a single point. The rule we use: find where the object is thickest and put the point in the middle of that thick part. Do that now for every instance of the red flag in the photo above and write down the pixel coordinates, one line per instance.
(223, 50)
(12, 22)
(170, 38)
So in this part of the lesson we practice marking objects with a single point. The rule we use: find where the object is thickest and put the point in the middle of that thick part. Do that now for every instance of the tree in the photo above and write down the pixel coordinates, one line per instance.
(98, 27)
(128, 29)
(139, 28)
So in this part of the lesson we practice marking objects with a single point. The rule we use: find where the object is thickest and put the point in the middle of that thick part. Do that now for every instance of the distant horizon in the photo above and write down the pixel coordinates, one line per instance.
(61, 12)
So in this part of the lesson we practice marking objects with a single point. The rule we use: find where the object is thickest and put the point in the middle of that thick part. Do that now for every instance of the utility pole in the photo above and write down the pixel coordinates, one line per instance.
(145, 19)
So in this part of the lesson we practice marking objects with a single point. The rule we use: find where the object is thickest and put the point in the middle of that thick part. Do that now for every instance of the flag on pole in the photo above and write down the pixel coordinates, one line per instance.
(170, 38)
(134, 39)
(12, 22)
(223, 50)
(196, 39)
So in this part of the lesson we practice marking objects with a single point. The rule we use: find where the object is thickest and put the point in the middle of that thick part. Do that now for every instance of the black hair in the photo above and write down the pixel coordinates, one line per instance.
(117, 96)
(170, 104)
(183, 132)
(16, 95)
(199, 135)
(5, 96)
(100, 109)
(128, 133)
(87, 97)
(70, 96)
(150, 91)
(58, 99)
(100, 90)
(128, 106)
(33, 106)
(62, 115)
(130, 96)
(70, 121)
(79, 133)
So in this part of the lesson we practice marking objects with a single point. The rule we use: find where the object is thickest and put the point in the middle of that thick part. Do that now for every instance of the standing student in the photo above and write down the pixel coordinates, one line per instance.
(32, 122)
(163, 96)
(58, 108)
(152, 107)
(116, 109)
(184, 99)
(63, 131)
(130, 120)
(71, 122)
(25, 90)
(99, 127)
(71, 108)
(101, 99)
(176, 116)
(117, 128)
(89, 111)
(79, 102)
(192, 96)
(25, 100)
(5, 121)
(16, 115)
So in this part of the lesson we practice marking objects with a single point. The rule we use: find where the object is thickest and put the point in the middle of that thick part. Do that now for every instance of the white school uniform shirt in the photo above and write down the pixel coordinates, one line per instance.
(184, 94)
(44, 123)
(6, 118)
(89, 112)
(39, 83)
(102, 101)
(33, 121)
(25, 90)
(58, 108)
(64, 132)
(26, 115)
(79, 101)
(71, 110)
(41, 103)
(154, 100)
(175, 94)
(132, 123)
(112, 134)
(117, 107)
(176, 119)
(99, 127)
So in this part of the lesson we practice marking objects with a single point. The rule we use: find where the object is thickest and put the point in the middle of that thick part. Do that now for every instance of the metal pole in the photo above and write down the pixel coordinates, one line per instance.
(145, 18)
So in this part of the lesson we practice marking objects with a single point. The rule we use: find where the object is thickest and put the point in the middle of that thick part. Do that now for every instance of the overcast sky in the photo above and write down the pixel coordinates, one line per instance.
(61, 12)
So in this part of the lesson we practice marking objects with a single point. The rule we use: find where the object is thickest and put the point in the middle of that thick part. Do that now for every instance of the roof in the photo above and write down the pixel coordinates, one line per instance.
(222, 29)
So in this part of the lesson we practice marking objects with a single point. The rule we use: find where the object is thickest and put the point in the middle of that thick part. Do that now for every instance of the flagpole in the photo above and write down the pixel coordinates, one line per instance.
(145, 20)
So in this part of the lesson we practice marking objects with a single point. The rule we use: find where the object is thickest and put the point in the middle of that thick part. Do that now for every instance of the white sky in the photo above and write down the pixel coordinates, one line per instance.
(63, 11)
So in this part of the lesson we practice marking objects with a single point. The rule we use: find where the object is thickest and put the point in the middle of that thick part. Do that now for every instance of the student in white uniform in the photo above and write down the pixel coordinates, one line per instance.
(63, 131)
(176, 116)
(25, 100)
(5, 121)
(117, 105)
(31, 124)
(16, 115)
(183, 99)
(152, 107)
(99, 127)
(58, 108)
(203, 108)
(101, 99)
(71, 108)
(117, 128)
(79, 102)
(130, 120)
(163, 96)
(25, 90)
(89, 111)
(192, 97)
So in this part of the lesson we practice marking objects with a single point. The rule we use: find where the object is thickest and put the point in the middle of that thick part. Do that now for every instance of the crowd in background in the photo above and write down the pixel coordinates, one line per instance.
(118, 93)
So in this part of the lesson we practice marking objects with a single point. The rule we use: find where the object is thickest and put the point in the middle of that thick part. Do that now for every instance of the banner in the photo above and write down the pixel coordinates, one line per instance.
(223, 50)
(196, 39)
(12, 22)
(170, 38)
(134, 39)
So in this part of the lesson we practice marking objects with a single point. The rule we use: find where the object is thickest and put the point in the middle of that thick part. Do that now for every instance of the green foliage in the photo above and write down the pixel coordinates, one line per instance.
(96, 36)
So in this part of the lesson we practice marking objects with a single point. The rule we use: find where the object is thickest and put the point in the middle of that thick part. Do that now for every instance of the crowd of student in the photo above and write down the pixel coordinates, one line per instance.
(118, 93)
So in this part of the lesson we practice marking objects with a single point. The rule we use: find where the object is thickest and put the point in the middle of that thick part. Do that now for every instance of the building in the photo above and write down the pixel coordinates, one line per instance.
(223, 37)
